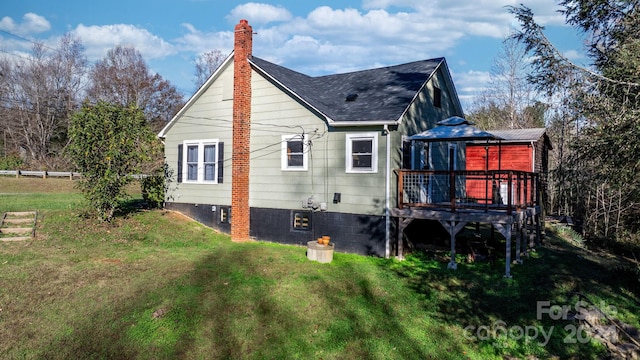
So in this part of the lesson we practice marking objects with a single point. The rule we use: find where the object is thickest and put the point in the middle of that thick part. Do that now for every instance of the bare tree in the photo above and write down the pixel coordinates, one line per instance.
(206, 64)
(42, 92)
(123, 78)
(509, 101)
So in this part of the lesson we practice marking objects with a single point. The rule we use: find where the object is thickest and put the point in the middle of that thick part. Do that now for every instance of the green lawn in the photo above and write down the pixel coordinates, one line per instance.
(155, 285)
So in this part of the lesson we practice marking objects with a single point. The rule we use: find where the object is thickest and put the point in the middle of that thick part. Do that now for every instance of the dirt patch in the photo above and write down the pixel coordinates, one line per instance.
(176, 215)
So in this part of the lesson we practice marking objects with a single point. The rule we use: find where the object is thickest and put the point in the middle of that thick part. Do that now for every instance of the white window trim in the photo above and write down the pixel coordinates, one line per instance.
(374, 152)
(284, 165)
(201, 144)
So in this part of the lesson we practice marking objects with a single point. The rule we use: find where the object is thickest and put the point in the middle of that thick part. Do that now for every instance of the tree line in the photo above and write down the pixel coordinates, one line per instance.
(40, 92)
(591, 112)
(59, 112)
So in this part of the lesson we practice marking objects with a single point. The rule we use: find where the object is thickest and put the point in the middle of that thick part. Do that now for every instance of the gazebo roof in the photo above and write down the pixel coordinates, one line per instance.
(454, 129)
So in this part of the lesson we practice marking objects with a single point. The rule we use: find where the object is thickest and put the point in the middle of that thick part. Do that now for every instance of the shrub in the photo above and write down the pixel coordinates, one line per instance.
(10, 162)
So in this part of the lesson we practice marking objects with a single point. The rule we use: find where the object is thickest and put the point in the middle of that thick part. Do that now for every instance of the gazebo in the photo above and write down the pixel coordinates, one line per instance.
(506, 218)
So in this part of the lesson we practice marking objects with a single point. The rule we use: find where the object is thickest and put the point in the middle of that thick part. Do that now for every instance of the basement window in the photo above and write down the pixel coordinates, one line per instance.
(301, 220)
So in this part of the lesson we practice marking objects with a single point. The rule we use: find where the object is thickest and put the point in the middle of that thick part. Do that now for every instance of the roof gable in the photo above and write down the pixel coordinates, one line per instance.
(381, 94)
(201, 90)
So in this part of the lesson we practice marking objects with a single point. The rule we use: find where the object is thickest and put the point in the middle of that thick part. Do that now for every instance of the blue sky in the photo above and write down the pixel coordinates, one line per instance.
(313, 37)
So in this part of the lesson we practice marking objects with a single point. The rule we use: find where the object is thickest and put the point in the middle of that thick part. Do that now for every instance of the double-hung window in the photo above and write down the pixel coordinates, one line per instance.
(294, 153)
(362, 153)
(201, 161)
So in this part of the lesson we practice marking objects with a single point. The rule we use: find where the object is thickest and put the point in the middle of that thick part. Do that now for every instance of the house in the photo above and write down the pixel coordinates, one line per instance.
(518, 149)
(268, 153)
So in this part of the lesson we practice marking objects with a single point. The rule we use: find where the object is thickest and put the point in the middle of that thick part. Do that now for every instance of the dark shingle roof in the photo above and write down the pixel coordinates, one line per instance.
(382, 93)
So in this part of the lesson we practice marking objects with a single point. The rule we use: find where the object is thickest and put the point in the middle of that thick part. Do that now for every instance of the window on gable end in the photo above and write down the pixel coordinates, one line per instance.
(202, 161)
(294, 153)
(437, 97)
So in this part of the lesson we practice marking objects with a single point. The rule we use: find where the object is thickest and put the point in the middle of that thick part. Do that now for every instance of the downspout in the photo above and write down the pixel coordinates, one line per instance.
(387, 248)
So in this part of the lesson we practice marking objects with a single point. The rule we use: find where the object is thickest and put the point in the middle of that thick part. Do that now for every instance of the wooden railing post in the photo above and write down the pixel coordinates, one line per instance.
(509, 192)
(400, 189)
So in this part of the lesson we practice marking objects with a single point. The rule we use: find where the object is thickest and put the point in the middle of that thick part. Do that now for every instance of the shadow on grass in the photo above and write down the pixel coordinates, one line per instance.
(247, 302)
(478, 295)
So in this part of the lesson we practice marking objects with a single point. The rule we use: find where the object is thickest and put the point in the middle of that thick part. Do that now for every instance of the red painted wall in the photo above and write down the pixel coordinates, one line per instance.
(517, 157)
(512, 157)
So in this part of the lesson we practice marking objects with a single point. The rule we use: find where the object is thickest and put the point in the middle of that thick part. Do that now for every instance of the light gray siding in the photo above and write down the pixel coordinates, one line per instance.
(207, 118)
(274, 114)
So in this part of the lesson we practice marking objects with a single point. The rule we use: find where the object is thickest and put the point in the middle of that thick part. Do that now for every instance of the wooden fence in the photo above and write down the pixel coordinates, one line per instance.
(47, 174)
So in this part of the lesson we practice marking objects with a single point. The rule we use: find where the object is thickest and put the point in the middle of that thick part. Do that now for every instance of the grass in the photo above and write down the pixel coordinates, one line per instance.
(155, 285)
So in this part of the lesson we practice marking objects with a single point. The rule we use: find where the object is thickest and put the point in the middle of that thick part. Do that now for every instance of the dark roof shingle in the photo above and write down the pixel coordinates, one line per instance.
(383, 94)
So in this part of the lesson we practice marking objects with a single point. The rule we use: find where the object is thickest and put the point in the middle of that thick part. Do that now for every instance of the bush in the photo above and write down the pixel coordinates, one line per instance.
(10, 162)
(153, 190)
(107, 144)
(154, 187)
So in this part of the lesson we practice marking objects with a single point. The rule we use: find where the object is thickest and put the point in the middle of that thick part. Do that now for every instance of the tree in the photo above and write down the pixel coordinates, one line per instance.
(109, 144)
(206, 64)
(123, 78)
(510, 101)
(42, 91)
(604, 101)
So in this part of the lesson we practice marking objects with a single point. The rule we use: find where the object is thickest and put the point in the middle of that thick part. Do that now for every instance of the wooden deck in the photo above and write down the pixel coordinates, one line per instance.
(509, 200)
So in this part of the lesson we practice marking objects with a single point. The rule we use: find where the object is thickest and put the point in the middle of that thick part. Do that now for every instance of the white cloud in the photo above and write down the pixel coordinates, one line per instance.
(200, 42)
(259, 13)
(32, 24)
(99, 39)
(469, 85)
(574, 55)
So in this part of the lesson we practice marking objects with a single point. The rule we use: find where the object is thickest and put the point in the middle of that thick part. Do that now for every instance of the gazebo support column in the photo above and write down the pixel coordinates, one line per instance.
(506, 232)
(453, 228)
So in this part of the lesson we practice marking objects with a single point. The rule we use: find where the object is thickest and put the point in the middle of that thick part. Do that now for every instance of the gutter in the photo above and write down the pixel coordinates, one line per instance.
(387, 194)
(384, 123)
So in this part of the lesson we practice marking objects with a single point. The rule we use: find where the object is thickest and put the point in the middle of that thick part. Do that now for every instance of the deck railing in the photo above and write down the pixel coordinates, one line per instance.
(504, 190)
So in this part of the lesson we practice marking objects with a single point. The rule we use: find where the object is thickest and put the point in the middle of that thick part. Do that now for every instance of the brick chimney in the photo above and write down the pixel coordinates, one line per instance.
(240, 159)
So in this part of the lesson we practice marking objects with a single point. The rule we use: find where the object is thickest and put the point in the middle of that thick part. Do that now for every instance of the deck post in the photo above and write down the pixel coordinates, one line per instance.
(507, 263)
(505, 230)
(518, 241)
(538, 220)
(453, 228)
(452, 264)
(531, 224)
(402, 224)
